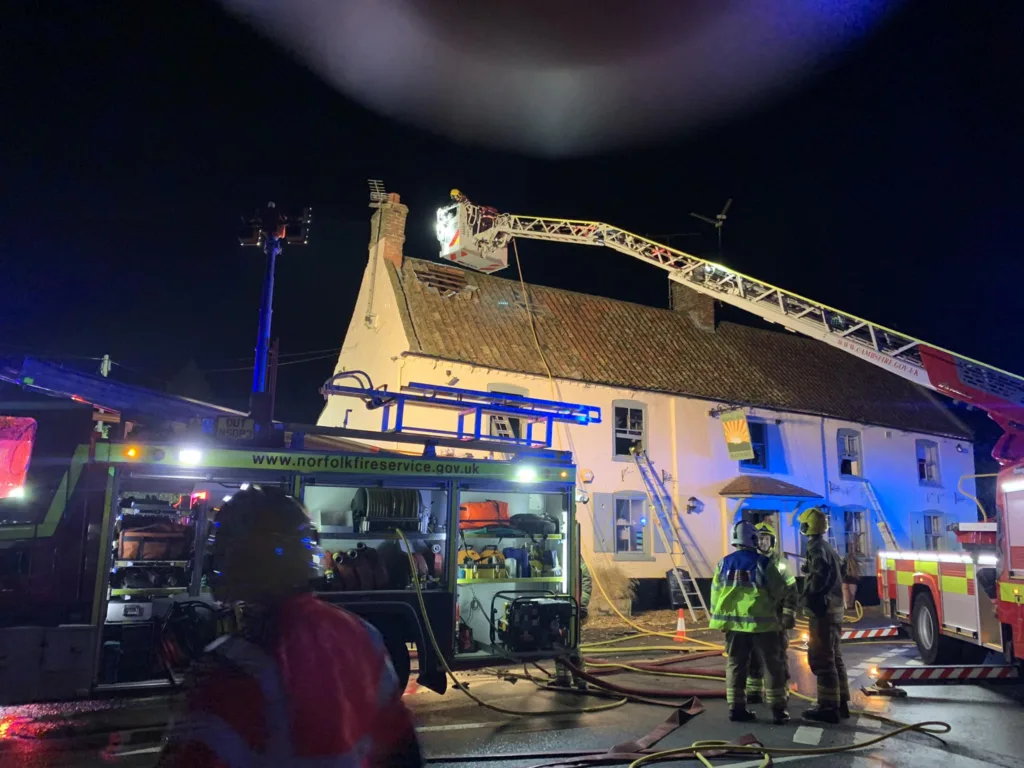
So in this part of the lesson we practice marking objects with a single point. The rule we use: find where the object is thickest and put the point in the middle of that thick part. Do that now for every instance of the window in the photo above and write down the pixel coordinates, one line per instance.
(856, 531)
(849, 452)
(499, 425)
(631, 530)
(928, 462)
(933, 532)
(759, 442)
(17, 433)
(630, 428)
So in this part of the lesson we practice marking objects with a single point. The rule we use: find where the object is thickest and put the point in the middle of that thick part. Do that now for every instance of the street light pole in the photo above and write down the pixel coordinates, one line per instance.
(271, 229)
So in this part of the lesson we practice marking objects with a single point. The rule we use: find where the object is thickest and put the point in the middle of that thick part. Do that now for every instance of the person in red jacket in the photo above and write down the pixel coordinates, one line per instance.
(302, 682)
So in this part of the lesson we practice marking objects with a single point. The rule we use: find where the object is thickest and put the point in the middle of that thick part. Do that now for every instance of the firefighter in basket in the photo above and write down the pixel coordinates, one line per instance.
(822, 598)
(767, 545)
(746, 595)
(302, 682)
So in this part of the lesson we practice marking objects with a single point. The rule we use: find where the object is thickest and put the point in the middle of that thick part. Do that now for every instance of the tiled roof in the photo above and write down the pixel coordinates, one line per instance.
(619, 344)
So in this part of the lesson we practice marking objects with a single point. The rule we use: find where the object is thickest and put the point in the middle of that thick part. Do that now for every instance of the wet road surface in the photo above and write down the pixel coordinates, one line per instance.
(987, 724)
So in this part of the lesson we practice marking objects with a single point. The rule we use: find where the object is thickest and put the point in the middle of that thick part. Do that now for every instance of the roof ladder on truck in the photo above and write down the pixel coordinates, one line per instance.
(880, 521)
(672, 534)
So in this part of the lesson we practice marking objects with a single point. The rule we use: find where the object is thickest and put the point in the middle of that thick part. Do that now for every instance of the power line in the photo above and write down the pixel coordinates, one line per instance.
(286, 354)
(287, 362)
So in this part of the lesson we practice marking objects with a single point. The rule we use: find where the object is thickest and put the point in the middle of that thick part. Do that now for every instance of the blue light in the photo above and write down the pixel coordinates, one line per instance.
(279, 551)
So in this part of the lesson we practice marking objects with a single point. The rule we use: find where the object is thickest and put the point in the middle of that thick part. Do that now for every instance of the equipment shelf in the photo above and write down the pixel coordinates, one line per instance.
(530, 580)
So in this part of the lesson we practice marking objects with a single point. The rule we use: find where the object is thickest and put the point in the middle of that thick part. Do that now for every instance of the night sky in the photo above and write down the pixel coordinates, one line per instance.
(889, 184)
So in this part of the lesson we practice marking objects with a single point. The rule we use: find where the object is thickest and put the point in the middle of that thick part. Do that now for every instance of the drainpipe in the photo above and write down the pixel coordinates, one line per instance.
(824, 468)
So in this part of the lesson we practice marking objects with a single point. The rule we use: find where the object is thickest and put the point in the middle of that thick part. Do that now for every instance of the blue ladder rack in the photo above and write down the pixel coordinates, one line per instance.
(471, 407)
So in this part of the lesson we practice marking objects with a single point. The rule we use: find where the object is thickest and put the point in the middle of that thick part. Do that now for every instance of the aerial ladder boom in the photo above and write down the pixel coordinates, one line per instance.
(477, 237)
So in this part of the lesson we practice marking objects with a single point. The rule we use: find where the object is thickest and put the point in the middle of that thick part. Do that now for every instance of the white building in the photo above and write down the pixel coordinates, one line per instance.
(825, 424)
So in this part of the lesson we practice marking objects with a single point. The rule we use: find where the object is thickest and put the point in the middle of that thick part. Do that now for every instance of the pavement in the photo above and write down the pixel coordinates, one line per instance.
(456, 732)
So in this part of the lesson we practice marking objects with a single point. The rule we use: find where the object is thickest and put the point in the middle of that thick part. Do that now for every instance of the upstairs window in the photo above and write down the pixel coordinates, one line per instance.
(849, 453)
(759, 442)
(501, 425)
(928, 462)
(629, 429)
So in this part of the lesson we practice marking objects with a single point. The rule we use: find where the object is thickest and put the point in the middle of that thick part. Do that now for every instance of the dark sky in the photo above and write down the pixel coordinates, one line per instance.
(889, 185)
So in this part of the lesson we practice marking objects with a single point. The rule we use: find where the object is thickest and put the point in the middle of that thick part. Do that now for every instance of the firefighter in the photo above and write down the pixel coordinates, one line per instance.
(301, 682)
(822, 597)
(745, 597)
(766, 545)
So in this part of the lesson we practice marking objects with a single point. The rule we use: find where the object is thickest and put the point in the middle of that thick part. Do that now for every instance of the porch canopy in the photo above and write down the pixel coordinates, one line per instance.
(757, 486)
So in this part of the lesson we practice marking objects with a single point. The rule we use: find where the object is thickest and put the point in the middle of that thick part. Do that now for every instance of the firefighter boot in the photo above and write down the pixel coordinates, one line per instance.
(780, 716)
(844, 710)
(741, 715)
(819, 715)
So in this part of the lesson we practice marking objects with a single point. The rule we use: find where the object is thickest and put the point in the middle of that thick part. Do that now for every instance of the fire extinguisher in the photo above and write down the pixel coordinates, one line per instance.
(464, 633)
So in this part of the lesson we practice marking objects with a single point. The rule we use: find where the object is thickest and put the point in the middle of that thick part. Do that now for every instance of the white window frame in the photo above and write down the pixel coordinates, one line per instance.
(746, 464)
(639, 516)
(850, 448)
(936, 537)
(929, 467)
(516, 424)
(862, 536)
(630, 405)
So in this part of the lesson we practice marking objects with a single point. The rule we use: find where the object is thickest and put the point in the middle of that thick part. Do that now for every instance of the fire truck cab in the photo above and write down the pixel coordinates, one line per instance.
(961, 605)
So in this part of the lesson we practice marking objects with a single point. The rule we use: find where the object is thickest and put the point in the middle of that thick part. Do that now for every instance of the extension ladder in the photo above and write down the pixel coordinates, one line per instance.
(880, 521)
(673, 534)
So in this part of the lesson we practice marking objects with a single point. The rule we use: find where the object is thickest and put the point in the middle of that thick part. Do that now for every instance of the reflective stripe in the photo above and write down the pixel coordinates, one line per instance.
(904, 578)
(744, 619)
(229, 746)
(927, 566)
(954, 585)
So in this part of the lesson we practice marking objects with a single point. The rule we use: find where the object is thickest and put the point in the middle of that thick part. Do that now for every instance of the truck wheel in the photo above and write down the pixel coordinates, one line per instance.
(399, 653)
(934, 647)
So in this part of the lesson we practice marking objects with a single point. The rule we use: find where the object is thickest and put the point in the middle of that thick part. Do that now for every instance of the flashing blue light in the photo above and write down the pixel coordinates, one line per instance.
(279, 551)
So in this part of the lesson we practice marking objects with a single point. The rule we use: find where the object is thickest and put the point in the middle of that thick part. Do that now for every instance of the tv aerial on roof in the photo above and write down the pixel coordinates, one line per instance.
(716, 222)
(378, 194)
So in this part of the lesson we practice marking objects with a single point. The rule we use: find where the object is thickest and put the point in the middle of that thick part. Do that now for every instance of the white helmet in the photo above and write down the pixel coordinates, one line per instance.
(744, 534)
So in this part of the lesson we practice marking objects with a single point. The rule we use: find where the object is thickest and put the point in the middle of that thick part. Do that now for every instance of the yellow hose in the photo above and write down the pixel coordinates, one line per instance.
(448, 669)
(933, 727)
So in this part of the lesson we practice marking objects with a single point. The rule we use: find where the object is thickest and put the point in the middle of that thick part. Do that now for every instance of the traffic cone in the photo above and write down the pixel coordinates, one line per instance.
(680, 628)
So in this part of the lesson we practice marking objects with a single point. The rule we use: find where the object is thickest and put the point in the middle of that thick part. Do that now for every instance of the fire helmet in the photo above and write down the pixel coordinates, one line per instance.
(744, 535)
(813, 522)
(264, 547)
(766, 537)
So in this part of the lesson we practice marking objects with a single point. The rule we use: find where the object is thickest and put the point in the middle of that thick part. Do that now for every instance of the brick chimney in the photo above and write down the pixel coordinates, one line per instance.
(388, 224)
(696, 306)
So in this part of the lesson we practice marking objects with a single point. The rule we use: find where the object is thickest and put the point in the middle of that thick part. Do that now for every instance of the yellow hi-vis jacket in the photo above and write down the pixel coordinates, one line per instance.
(746, 593)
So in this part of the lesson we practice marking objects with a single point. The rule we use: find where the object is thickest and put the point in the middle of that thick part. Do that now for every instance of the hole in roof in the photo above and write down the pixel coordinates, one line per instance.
(446, 281)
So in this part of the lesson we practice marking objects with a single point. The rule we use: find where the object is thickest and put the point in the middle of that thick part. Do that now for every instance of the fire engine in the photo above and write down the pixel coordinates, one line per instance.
(109, 493)
(959, 604)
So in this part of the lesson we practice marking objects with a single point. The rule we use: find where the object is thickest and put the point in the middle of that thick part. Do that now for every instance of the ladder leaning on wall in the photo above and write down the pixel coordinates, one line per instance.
(880, 520)
(673, 534)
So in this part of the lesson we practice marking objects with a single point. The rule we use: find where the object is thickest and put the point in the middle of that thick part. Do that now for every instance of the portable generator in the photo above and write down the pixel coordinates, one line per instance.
(541, 623)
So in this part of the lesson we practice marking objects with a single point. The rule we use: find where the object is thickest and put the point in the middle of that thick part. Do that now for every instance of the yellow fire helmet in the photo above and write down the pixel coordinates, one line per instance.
(264, 547)
(456, 194)
(765, 532)
(813, 522)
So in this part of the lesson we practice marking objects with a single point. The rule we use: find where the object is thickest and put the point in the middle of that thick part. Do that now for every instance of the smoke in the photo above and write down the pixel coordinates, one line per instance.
(565, 77)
